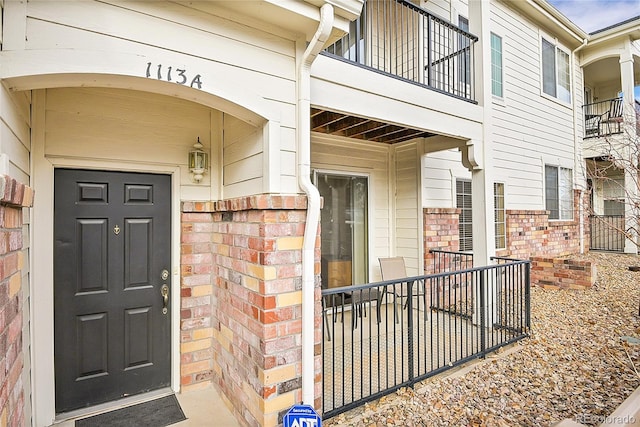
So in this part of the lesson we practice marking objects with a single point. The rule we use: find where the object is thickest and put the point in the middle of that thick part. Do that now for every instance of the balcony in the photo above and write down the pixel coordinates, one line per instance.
(404, 41)
(603, 118)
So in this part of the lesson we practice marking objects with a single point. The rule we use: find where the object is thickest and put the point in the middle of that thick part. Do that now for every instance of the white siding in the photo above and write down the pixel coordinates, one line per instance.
(439, 173)
(408, 231)
(528, 128)
(243, 158)
(128, 126)
(15, 133)
(441, 8)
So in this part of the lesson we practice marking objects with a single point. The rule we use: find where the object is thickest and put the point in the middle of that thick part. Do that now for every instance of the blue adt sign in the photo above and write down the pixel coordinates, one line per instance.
(301, 416)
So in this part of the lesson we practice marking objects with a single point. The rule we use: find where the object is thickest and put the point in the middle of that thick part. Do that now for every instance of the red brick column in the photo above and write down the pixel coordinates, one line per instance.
(252, 261)
(196, 290)
(440, 232)
(14, 197)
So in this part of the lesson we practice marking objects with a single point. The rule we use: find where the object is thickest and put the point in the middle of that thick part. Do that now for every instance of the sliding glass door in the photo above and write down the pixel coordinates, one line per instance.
(344, 229)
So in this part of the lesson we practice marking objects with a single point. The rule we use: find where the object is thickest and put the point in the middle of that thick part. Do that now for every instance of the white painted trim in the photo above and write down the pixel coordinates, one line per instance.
(419, 186)
(504, 210)
(497, 98)
(546, 36)
(42, 344)
(392, 172)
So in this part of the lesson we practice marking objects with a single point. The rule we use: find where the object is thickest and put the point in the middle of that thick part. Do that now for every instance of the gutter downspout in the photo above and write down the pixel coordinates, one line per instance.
(313, 200)
(578, 162)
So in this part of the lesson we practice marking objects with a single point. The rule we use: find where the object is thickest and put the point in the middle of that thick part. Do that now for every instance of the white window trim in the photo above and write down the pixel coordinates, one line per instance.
(455, 204)
(544, 189)
(504, 197)
(558, 45)
(498, 97)
(371, 259)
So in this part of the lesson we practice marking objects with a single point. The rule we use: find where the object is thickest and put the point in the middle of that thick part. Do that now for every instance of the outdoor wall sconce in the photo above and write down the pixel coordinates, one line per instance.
(198, 161)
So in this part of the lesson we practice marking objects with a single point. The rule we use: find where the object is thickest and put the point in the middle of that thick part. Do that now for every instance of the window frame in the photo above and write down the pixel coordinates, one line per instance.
(465, 228)
(501, 69)
(553, 41)
(559, 191)
(503, 210)
(369, 214)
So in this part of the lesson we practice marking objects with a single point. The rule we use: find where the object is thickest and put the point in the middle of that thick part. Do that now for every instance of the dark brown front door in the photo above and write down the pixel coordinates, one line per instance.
(111, 260)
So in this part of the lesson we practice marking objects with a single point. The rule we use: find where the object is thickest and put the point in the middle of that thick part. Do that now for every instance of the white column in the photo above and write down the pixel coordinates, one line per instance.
(482, 184)
(482, 179)
(630, 134)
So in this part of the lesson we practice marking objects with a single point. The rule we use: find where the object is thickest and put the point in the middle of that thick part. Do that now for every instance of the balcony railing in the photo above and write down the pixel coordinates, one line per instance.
(382, 336)
(607, 232)
(603, 118)
(397, 38)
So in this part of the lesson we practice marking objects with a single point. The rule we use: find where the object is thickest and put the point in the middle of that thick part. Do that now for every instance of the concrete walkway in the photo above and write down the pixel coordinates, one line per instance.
(205, 408)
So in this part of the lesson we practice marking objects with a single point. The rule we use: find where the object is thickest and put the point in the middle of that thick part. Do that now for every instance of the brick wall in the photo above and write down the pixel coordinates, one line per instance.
(530, 235)
(241, 305)
(440, 232)
(13, 198)
(562, 273)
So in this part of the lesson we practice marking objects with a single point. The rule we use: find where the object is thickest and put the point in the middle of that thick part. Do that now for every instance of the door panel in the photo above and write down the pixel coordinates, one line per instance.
(138, 331)
(92, 345)
(112, 241)
(138, 252)
(92, 254)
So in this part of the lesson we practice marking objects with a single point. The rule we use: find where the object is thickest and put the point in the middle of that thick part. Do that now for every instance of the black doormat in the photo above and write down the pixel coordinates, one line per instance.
(155, 413)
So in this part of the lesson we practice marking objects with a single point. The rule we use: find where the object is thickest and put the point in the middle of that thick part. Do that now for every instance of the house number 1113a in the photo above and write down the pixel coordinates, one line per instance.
(177, 75)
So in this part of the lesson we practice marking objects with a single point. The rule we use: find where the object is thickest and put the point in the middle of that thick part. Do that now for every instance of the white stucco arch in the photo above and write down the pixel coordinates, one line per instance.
(29, 70)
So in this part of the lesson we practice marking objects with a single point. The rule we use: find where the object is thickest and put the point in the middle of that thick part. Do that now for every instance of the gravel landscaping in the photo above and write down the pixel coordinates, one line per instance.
(581, 361)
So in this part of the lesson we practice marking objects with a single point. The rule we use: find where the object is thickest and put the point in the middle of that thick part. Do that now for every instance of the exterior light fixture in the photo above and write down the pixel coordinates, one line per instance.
(198, 161)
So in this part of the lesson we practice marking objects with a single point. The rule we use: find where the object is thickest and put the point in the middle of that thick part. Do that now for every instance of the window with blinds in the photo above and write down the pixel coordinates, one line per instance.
(463, 202)
(499, 215)
(559, 192)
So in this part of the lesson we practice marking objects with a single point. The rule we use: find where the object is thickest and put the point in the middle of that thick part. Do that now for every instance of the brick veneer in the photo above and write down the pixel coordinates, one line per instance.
(14, 196)
(562, 273)
(241, 303)
(530, 235)
(440, 232)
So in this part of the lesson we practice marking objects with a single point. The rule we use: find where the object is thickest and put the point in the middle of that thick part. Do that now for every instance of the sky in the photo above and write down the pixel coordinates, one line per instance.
(593, 15)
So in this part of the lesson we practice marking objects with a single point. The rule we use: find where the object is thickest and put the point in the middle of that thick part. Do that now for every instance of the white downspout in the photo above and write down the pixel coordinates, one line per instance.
(578, 162)
(313, 200)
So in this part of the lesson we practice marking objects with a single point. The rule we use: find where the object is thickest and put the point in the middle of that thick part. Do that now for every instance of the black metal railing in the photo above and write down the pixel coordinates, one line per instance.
(607, 232)
(382, 336)
(398, 38)
(603, 118)
(444, 261)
